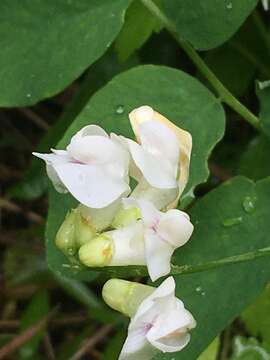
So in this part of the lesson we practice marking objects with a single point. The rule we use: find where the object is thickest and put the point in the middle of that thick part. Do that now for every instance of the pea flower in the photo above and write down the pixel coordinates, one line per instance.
(161, 159)
(163, 233)
(149, 239)
(159, 320)
(93, 168)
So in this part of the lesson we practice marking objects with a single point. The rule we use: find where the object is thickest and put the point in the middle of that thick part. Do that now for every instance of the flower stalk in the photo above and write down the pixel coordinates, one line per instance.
(221, 90)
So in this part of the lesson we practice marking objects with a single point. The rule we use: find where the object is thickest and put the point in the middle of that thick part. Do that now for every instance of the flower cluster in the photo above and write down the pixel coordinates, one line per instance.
(116, 226)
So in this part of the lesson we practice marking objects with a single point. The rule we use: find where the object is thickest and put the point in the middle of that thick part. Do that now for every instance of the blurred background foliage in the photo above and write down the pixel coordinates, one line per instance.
(44, 315)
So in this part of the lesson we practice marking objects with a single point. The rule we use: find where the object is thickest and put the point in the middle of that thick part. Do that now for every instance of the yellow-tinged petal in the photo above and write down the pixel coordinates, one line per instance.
(146, 113)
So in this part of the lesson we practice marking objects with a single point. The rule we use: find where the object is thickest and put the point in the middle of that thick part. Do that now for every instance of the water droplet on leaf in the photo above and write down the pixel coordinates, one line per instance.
(28, 95)
(198, 289)
(229, 5)
(119, 109)
(249, 204)
(233, 221)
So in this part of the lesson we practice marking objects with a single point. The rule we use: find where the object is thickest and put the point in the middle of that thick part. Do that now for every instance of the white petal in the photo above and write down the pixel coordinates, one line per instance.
(156, 170)
(138, 116)
(150, 215)
(165, 292)
(93, 150)
(146, 113)
(57, 183)
(170, 330)
(170, 344)
(136, 345)
(160, 198)
(91, 185)
(128, 245)
(158, 255)
(175, 227)
(158, 139)
(58, 157)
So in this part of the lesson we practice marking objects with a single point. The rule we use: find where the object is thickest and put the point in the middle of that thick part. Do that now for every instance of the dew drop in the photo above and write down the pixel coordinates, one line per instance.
(229, 5)
(249, 204)
(198, 289)
(233, 221)
(203, 293)
(119, 109)
(28, 95)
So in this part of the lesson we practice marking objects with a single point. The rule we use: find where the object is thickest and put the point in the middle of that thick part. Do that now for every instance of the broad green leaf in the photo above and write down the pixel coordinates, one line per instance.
(211, 352)
(216, 297)
(173, 93)
(138, 27)
(254, 162)
(207, 23)
(37, 309)
(47, 44)
(263, 93)
(256, 317)
(248, 349)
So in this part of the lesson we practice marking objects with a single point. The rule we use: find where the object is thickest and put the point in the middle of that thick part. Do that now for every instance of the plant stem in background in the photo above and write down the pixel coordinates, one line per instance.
(221, 90)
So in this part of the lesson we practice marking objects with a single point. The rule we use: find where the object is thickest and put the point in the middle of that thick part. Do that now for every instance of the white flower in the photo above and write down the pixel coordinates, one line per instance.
(161, 161)
(265, 4)
(93, 168)
(161, 323)
(163, 233)
(149, 241)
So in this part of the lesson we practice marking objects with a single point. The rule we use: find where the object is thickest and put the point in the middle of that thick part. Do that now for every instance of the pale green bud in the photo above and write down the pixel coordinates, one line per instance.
(98, 252)
(84, 230)
(65, 238)
(125, 217)
(125, 296)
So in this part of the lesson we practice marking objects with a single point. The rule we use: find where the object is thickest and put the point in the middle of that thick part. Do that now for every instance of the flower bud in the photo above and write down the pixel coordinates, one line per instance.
(98, 252)
(125, 217)
(125, 296)
(65, 238)
(84, 230)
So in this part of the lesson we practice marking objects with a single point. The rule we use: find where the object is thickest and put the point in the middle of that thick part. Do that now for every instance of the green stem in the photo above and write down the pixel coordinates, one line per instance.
(221, 90)
(189, 269)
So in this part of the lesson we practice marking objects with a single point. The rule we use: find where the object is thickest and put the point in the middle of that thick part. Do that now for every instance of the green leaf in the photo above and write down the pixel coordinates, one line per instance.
(139, 26)
(207, 23)
(248, 349)
(211, 352)
(216, 297)
(37, 309)
(48, 44)
(256, 317)
(254, 162)
(173, 93)
(263, 93)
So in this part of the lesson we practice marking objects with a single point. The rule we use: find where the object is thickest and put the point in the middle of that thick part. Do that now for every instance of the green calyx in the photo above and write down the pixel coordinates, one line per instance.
(74, 232)
(125, 296)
